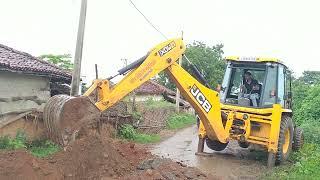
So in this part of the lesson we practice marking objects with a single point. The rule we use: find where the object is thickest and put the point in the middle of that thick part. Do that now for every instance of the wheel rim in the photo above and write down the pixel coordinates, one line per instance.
(286, 143)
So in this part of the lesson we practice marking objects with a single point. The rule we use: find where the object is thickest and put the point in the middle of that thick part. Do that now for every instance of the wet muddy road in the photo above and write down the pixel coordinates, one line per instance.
(232, 163)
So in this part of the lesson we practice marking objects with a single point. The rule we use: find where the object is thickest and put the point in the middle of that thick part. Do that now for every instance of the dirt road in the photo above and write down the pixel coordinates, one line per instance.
(232, 163)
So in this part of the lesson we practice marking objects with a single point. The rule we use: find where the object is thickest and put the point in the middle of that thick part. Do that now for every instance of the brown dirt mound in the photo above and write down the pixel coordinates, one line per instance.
(94, 155)
(22, 165)
(91, 158)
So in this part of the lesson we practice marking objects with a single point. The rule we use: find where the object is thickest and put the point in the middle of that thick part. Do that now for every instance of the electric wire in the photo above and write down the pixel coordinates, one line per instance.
(157, 29)
(150, 23)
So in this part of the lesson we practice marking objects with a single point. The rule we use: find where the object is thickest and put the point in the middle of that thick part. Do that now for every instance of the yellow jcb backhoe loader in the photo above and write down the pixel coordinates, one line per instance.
(261, 116)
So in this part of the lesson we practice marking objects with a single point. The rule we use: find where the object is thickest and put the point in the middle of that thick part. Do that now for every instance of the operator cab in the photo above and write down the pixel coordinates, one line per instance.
(256, 82)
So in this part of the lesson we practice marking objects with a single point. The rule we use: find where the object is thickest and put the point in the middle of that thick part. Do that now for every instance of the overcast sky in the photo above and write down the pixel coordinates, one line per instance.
(287, 29)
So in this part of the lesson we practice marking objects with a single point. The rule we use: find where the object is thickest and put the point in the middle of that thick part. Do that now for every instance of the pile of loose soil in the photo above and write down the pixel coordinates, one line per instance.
(22, 165)
(94, 155)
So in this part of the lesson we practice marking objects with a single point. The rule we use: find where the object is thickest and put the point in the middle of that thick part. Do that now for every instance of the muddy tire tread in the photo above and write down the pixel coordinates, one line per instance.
(286, 122)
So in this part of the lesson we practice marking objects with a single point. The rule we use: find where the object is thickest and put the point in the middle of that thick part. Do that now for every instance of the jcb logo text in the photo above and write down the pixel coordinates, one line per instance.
(202, 100)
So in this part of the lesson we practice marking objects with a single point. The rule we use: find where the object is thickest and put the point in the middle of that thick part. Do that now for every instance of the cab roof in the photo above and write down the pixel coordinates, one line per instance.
(253, 59)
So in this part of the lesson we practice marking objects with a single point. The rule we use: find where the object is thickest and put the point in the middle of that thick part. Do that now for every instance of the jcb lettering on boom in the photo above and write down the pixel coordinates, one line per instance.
(167, 48)
(202, 100)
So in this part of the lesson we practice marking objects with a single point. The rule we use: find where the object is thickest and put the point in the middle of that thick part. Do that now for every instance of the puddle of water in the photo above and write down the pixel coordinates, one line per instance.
(231, 163)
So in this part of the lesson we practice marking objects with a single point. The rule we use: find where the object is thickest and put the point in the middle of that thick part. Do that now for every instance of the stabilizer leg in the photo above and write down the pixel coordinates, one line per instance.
(200, 145)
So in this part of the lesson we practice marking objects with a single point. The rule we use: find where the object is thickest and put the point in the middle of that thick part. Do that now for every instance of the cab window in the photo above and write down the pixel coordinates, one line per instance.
(269, 95)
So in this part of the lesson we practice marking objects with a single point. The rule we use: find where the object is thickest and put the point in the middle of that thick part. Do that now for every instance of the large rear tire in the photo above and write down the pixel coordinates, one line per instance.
(285, 140)
(298, 139)
(216, 145)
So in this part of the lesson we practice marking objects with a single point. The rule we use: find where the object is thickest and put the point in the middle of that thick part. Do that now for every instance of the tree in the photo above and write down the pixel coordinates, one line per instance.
(63, 61)
(208, 60)
(309, 108)
(310, 77)
(306, 92)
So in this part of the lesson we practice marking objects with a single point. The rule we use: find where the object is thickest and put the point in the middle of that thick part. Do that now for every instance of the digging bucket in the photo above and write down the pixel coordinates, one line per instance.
(64, 116)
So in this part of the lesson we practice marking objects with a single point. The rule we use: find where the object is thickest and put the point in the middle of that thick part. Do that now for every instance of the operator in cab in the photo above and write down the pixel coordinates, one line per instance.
(251, 88)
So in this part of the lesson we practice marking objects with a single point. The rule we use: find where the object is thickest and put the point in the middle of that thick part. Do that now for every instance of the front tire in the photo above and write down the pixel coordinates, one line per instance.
(285, 140)
(216, 145)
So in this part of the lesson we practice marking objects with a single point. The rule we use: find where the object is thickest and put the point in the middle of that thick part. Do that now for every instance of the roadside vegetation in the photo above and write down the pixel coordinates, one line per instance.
(128, 132)
(181, 120)
(151, 104)
(304, 164)
(38, 148)
(175, 121)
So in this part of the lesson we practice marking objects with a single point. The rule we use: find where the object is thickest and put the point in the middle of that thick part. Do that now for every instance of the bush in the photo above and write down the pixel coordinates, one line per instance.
(309, 109)
(311, 131)
(127, 131)
(16, 143)
(43, 148)
(38, 148)
(181, 120)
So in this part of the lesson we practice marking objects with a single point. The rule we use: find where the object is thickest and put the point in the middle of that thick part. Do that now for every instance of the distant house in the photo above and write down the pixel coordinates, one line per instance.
(153, 90)
(25, 84)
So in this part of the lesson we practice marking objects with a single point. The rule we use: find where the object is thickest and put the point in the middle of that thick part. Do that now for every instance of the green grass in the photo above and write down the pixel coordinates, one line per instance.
(43, 148)
(305, 165)
(127, 131)
(38, 148)
(181, 120)
(147, 138)
(151, 104)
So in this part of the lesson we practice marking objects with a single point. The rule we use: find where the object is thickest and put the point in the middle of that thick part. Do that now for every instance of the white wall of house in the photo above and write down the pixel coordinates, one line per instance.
(21, 92)
(141, 98)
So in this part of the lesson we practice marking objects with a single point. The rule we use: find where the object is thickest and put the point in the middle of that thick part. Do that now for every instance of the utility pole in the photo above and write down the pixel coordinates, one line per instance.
(75, 84)
(178, 92)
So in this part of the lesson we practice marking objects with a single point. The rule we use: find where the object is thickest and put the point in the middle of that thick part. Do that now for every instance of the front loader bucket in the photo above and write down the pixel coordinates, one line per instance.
(64, 116)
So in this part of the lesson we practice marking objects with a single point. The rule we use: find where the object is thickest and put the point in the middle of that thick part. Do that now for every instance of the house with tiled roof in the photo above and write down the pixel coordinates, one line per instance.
(25, 83)
(153, 90)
